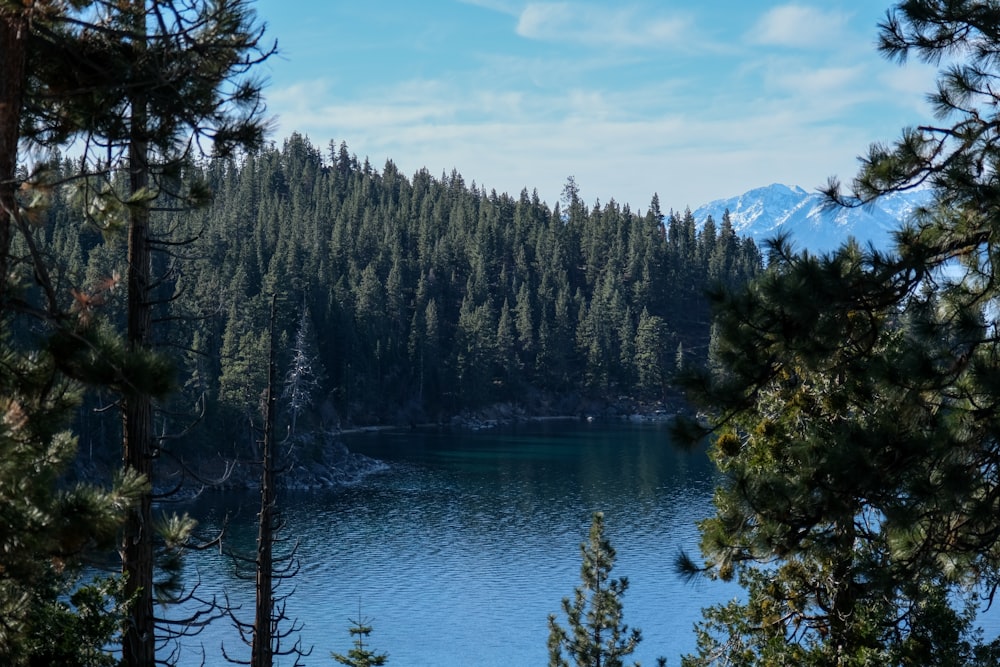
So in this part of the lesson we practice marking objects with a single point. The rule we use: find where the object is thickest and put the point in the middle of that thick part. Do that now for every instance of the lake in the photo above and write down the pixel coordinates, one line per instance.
(464, 545)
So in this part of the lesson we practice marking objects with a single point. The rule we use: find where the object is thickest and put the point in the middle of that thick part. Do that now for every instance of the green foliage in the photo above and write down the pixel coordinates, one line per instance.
(47, 527)
(86, 78)
(839, 513)
(406, 281)
(360, 655)
(596, 635)
(141, 88)
(77, 629)
(857, 396)
(651, 350)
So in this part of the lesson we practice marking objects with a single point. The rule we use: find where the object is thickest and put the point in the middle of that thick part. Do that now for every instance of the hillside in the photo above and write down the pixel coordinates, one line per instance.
(406, 299)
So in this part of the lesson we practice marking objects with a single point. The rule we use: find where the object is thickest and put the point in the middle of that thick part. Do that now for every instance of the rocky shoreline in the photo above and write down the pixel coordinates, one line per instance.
(321, 459)
(624, 408)
(308, 461)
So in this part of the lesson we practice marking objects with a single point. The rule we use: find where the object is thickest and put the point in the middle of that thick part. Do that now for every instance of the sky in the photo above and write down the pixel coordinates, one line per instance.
(695, 100)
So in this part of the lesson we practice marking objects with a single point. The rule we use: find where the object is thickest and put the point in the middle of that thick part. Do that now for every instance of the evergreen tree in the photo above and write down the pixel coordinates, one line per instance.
(860, 407)
(626, 357)
(46, 528)
(505, 347)
(524, 326)
(725, 254)
(47, 346)
(14, 36)
(650, 352)
(147, 82)
(596, 635)
(360, 655)
(830, 465)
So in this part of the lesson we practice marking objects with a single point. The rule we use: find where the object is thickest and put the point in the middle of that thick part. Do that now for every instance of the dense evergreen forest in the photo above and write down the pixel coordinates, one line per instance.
(406, 300)
(852, 399)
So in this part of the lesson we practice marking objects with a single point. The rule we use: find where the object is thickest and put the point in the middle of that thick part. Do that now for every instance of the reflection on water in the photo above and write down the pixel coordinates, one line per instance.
(469, 541)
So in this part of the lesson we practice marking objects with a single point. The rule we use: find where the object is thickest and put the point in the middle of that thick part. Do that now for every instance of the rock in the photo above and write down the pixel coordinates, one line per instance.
(313, 460)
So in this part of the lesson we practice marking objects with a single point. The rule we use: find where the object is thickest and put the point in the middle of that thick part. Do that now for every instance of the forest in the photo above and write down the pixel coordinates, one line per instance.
(404, 300)
(849, 401)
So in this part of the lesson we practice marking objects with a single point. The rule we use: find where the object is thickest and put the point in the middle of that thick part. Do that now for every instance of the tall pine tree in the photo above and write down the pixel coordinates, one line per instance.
(858, 406)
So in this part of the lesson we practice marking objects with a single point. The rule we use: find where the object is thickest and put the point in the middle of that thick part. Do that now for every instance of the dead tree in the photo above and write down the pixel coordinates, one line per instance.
(266, 634)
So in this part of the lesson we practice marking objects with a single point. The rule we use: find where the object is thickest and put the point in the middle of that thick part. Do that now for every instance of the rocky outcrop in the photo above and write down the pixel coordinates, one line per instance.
(314, 460)
(322, 460)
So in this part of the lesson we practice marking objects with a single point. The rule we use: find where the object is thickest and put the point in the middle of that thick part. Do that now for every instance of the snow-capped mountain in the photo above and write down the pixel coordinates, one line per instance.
(765, 212)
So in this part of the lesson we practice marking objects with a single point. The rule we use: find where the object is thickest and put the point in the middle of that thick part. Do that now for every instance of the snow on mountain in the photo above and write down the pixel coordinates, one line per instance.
(765, 212)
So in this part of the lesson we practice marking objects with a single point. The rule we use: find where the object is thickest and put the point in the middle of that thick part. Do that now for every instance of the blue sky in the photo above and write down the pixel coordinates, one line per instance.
(695, 100)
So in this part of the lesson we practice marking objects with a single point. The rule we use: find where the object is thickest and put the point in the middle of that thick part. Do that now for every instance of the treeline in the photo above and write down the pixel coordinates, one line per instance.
(413, 298)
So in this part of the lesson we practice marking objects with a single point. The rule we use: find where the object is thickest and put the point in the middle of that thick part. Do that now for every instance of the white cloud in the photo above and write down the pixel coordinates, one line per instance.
(912, 83)
(596, 25)
(302, 105)
(799, 26)
(819, 92)
(690, 151)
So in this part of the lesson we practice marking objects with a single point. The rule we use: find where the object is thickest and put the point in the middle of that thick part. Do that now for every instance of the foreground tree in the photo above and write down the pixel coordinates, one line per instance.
(832, 472)
(47, 527)
(596, 635)
(143, 85)
(858, 407)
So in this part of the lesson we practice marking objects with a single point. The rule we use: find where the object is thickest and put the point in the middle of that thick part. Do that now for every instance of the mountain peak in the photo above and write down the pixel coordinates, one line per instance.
(763, 213)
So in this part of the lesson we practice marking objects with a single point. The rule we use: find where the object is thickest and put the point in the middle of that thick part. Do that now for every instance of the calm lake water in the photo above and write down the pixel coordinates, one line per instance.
(461, 549)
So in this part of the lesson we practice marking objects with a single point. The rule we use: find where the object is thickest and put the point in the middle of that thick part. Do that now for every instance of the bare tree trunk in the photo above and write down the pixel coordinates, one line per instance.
(261, 652)
(13, 43)
(139, 641)
(843, 630)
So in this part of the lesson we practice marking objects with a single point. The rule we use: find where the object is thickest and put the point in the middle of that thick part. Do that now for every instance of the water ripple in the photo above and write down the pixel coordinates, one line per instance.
(466, 544)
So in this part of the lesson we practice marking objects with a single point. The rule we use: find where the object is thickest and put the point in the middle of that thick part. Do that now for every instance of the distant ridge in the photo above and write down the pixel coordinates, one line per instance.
(763, 213)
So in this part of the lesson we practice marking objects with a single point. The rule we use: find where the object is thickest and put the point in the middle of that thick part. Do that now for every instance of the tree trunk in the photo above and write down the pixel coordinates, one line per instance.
(843, 633)
(261, 651)
(139, 640)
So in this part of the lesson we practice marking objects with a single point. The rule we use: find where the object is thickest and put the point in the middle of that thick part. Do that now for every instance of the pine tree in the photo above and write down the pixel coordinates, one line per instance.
(596, 635)
(505, 347)
(147, 82)
(14, 45)
(47, 527)
(524, 326)
(858, 403)
(650, 352)
(360, 655)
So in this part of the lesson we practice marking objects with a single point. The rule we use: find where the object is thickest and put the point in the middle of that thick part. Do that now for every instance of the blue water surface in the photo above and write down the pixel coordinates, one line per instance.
(461, 549)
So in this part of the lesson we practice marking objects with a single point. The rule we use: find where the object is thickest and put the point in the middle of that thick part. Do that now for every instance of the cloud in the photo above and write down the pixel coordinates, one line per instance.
(302, 104)
(798, 26)
(912, 83)
(832, 87)
(691, 151)
(593, 25)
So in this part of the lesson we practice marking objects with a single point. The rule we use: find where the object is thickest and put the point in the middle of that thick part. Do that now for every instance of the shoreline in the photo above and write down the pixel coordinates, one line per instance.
(570, 407)
(477, 423)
